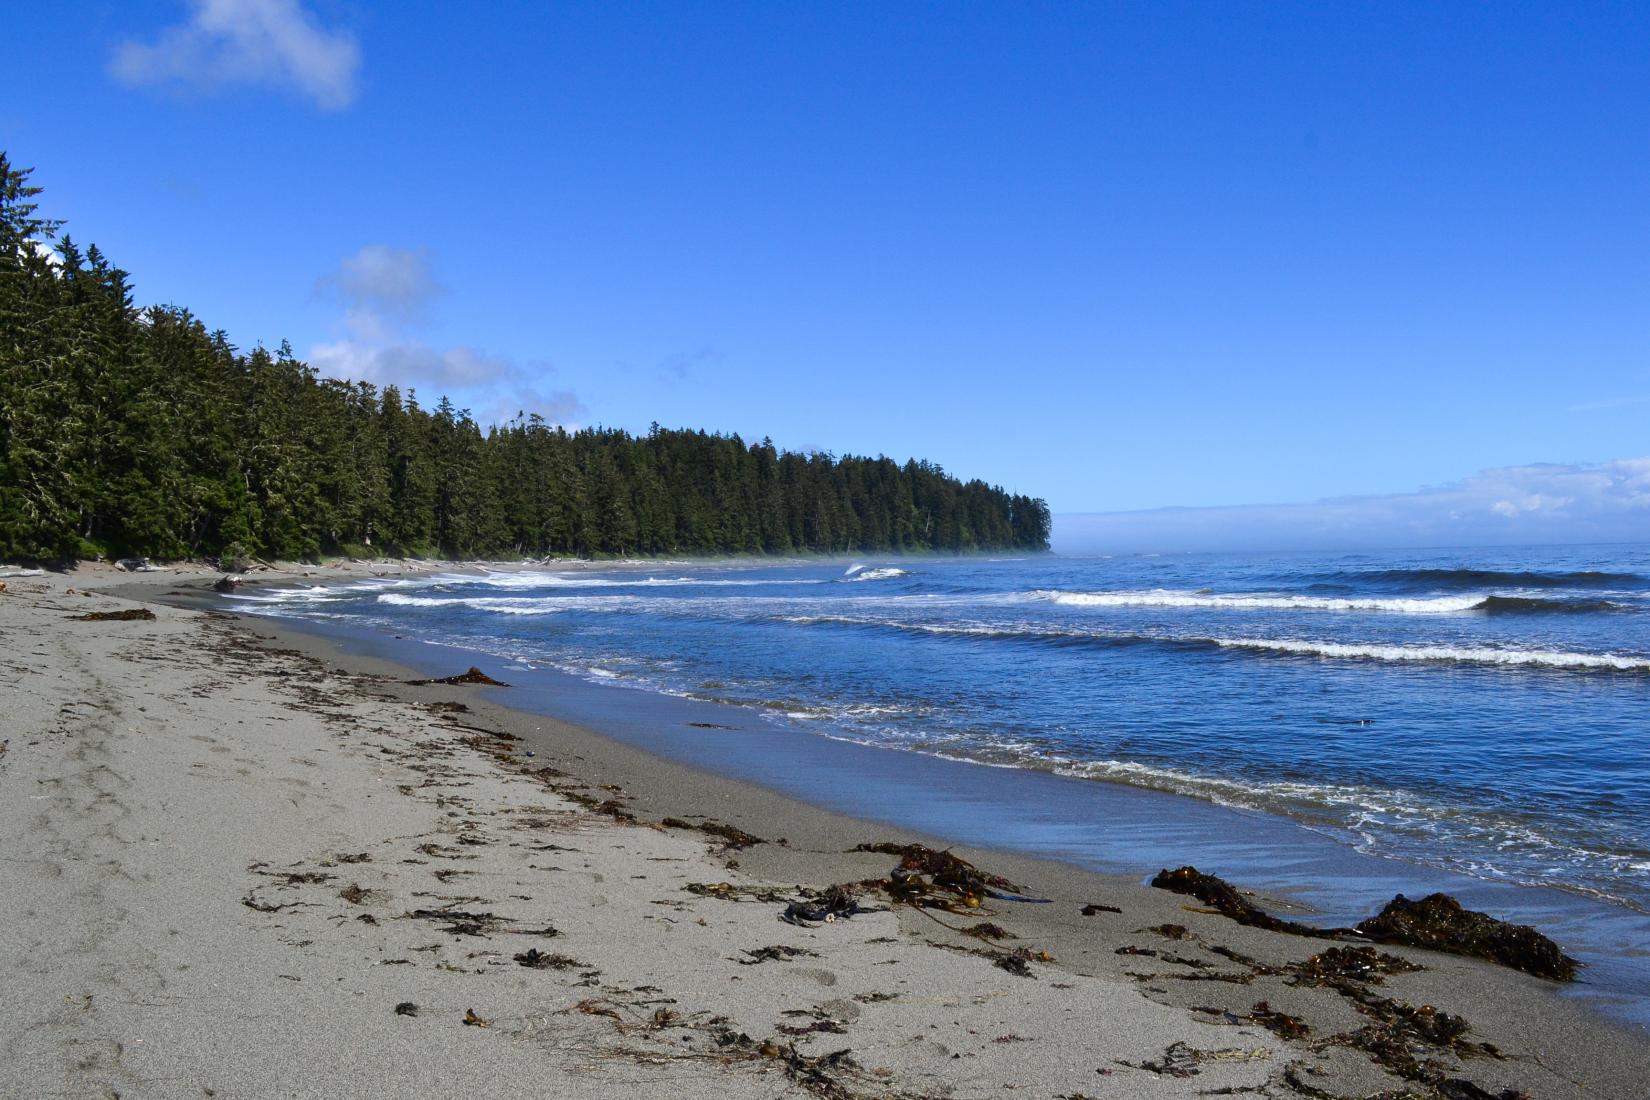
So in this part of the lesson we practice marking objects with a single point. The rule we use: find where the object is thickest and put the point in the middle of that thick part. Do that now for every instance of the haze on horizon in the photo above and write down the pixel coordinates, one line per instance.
(1155, 265)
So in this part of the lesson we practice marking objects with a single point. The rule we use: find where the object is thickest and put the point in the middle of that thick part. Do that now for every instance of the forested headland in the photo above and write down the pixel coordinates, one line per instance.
(142, 432)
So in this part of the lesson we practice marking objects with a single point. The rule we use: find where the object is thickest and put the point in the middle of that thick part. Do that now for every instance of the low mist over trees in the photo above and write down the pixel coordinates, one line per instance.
(135, 432)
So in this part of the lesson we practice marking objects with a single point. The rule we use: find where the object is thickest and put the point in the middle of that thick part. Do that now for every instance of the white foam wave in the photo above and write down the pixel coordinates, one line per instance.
(886, 573)
(1430, 605)
(1464, 654)
(506, 605)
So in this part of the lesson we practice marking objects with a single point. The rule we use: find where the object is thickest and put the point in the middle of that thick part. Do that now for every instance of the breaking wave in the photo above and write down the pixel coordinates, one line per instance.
(1439, 653)
(888, 573)
(1481, 578)
(1054, 636)
(1416, 605)
(1262, 602)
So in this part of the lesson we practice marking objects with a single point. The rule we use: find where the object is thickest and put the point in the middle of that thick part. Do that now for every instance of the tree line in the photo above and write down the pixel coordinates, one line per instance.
(130, 432)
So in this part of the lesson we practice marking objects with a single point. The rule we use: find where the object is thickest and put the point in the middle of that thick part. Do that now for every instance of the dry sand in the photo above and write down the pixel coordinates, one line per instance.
(229, 859)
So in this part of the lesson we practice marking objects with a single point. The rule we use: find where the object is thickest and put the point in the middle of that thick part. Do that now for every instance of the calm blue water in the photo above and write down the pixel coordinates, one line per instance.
(1485, 712)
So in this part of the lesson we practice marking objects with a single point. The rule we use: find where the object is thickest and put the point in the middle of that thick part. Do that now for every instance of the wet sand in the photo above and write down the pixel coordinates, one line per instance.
(193, 797)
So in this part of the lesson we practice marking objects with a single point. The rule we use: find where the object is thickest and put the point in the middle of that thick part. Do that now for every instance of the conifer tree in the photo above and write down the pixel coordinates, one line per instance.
(132, 432)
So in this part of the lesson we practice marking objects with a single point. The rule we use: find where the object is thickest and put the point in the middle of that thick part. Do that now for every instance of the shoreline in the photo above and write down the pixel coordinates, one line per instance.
(1120, 830)
(1554, 1042)
(761, 803)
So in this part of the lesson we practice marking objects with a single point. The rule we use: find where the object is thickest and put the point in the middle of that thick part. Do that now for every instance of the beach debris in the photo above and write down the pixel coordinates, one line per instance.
(126, 615)
(1184, 1060)
(2, 586)
(1171, 931)
(226, 584)
(1437, 922)
(136, 565)
(831, 904)
(823, 1026)
(985, 930)
(474, 676)
(1440, 923)
(1018, 961)
(824, 1075)
(732, 837)
(1280, 1024)
(461, 922)
(1092, 908)
(933, 879)
(710, 726)
(355, 893)
(728, 892)
(1224, 897)
(406, 1008)
(534, 959)
(778, 952)
(1179, 1060)
(1401, 1033)
(1358, 964)
(472, 1020)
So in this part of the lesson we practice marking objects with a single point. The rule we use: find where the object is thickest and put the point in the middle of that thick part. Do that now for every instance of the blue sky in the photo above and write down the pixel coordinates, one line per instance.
(1121, 256)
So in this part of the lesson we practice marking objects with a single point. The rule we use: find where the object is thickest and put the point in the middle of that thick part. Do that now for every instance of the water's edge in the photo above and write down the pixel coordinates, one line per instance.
(1095, 826)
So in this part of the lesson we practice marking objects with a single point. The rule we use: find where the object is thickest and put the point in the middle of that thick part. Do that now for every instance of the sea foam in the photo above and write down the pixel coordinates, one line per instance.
(1416, 605)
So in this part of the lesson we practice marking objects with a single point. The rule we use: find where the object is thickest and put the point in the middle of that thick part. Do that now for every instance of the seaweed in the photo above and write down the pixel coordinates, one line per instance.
(729, 892)
(1437, 922)
(130, 614)
(1171, 931)
(933, 879)
(1342, 964)
(462, 923)
(1092, 908)
(1440, 923)
(1224, 897)
(776, 953)
(985, 930)
(1279, 1023)
(731, 836)
(474, 676)
(534, 959)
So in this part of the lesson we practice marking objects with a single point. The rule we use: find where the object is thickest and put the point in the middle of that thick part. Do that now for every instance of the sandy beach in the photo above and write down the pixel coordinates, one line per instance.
(241, 863)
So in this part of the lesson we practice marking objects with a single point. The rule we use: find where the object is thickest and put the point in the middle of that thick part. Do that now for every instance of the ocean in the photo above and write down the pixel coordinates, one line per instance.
(1480, 712)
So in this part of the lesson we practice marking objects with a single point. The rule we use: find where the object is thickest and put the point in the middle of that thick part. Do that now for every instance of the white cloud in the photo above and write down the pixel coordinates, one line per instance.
(384, 292)
(555, 406)
(269, 42)
(1538, 503)
(410, 364)
(46, 251)
(381, 287)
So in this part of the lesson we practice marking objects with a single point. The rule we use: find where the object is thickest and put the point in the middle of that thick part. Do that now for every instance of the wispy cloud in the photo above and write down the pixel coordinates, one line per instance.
(1611, 403)
(382, 288)
(386, 294)
(682, 366)
(275, 43)
(1538, 503)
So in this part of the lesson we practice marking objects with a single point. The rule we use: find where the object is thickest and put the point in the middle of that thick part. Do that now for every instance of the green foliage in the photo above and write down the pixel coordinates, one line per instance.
(141, 433)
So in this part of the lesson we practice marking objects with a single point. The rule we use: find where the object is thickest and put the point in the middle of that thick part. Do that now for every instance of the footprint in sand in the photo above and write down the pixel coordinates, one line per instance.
(823, 977)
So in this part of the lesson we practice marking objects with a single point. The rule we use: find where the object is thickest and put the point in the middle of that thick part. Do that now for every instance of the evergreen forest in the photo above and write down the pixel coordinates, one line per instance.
(141, 432)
